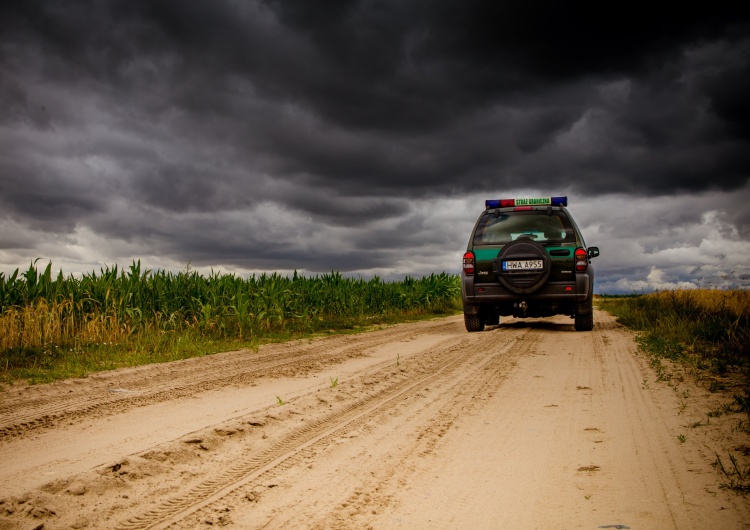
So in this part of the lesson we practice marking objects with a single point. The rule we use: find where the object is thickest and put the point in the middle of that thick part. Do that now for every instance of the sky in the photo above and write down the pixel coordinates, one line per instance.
(364, 136)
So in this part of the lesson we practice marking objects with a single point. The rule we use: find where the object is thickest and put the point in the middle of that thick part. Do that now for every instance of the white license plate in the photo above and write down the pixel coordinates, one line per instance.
(523, 265)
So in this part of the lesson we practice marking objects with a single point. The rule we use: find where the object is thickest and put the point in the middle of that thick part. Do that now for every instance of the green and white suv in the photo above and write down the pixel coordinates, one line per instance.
(527, 258)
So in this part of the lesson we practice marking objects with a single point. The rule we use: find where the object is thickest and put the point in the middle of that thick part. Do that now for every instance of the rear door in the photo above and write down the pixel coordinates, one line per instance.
(550, 228)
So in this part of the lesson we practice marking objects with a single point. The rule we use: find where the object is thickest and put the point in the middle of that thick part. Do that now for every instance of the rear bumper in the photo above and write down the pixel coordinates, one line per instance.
(553, 293)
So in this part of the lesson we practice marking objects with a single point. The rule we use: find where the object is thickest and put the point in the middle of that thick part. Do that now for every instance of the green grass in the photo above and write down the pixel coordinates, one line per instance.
(708, 328)
(59, 327)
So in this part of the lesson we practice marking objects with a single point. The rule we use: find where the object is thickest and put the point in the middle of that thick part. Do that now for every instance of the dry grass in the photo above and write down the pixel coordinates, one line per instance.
(706, 329)
(43, 325)
(735, 303)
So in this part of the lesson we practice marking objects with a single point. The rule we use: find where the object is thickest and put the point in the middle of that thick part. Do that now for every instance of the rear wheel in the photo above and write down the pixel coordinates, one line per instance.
(584, 316)
(584, 321)
(474, 322)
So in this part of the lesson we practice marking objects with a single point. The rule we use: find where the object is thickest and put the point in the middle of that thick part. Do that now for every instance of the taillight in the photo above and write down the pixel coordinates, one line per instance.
(582, 259)
(469, 262)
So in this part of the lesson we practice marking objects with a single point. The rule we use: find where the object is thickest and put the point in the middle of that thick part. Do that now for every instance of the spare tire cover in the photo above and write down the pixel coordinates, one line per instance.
(522, 281)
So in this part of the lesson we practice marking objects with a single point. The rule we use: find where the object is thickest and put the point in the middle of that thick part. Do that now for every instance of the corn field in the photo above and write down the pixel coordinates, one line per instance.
(39, 311)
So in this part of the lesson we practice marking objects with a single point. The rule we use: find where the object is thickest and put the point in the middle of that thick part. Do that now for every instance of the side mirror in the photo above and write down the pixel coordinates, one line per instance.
(593, 252)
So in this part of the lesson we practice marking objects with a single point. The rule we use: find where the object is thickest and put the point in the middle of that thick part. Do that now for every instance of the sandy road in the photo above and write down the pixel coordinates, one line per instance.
(526, 425)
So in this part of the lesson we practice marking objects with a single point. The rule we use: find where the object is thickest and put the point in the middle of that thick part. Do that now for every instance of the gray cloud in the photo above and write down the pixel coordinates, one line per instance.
(285, 134)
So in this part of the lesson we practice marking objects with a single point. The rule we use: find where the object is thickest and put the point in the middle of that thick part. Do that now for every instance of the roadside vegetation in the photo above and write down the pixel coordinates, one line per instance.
(64, 326)
(707, 329)
(708, 333)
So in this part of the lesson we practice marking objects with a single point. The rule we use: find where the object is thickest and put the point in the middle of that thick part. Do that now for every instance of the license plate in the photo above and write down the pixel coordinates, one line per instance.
(523, 265)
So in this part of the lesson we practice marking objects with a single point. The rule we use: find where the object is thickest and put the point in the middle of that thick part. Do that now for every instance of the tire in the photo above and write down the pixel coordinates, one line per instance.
(584, 317)
(584, 321)
(473, 322)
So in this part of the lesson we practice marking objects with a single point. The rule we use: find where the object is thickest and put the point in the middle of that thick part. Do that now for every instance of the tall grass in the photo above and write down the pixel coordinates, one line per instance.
(710, 323)
(709, 330)
(46, 320)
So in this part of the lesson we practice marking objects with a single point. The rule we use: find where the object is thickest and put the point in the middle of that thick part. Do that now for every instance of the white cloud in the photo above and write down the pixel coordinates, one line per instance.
(680, 242)
(666, 242)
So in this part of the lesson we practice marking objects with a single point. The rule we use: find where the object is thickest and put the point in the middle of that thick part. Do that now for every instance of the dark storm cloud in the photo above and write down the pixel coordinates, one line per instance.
(400, 74)
(261, 132)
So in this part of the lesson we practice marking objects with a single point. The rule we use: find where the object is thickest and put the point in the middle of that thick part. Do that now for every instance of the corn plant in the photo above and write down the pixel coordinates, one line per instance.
(40, 315)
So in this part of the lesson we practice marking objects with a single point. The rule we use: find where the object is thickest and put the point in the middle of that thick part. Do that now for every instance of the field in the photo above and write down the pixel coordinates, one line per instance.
(64, 326)
(708, 329)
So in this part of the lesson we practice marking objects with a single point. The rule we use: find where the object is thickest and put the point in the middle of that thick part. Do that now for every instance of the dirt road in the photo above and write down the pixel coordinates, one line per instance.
(526, 425)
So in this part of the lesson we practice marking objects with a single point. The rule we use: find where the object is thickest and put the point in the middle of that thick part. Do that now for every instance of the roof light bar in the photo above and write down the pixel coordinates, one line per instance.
(530, 201)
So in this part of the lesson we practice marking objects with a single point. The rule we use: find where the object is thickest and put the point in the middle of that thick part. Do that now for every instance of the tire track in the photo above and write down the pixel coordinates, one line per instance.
(454, 364)
(450, 396)
(20, 415)
(454, 402)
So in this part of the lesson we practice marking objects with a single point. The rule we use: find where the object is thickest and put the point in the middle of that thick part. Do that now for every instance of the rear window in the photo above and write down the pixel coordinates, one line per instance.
(536, 225)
